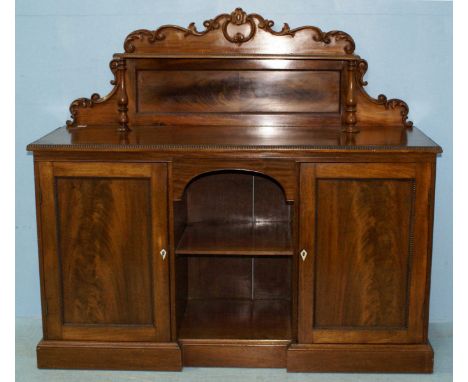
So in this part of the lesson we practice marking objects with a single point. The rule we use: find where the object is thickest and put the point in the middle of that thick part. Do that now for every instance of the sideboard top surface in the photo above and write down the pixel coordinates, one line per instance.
(235, 138)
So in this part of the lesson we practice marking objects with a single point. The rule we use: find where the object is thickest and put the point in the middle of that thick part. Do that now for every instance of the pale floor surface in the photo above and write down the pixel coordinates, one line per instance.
(28, 333)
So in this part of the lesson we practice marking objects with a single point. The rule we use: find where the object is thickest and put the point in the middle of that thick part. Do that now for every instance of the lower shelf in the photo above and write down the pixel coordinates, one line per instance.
(237, 320)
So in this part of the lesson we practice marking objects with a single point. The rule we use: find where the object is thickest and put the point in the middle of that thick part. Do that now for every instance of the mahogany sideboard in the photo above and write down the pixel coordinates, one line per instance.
(237, 199)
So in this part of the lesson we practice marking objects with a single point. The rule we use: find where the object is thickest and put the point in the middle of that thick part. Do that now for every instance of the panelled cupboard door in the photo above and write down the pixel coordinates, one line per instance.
(364, 232)
(103, 226)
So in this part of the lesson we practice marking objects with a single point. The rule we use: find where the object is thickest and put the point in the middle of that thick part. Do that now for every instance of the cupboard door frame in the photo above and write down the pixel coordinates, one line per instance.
(55, 328)
(415, 330)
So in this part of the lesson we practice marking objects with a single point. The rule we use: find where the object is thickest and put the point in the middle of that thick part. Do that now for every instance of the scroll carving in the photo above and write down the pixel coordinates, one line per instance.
(361, 71)
(82, 103)
(95, 99)
(239, 18)
(381, 102)
(396, 103)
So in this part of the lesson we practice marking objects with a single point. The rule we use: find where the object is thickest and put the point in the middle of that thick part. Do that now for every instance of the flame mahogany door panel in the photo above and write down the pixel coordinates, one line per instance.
(103, 226)
(365, 229)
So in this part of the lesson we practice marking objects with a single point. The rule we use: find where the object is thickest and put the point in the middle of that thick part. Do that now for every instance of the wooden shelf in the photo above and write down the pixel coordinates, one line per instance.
(228, 319)
(250, 239)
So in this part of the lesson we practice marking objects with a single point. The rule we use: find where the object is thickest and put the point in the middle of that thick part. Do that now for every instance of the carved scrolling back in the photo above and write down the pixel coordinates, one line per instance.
(239, 33)
(238, 70)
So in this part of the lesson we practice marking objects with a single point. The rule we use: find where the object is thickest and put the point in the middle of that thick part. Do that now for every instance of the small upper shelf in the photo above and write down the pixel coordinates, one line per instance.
(249, 239)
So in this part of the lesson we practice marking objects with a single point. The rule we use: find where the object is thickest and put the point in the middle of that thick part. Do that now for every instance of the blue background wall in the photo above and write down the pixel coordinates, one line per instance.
(63, 49)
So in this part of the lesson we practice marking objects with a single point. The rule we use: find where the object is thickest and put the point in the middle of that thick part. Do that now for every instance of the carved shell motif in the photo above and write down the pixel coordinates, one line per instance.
(238, 17)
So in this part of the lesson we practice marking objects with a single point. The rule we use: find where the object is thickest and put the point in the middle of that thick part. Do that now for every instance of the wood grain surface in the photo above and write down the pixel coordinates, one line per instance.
(106, 265)
(359, 282)
(237, 92)
(237, 319)
(362, 252)
(104, 281)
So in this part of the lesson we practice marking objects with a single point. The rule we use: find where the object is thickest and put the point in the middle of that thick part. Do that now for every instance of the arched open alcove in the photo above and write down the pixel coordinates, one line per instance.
(234, 248)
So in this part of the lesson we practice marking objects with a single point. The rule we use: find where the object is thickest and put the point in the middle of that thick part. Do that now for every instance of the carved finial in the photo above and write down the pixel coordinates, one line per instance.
(238, 17)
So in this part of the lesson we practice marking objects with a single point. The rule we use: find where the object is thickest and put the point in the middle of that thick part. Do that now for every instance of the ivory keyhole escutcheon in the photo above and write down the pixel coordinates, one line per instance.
(163, 253)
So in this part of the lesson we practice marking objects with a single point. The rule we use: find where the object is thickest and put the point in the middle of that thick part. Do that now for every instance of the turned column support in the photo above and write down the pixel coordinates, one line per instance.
(123, 97)
(350, 99)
